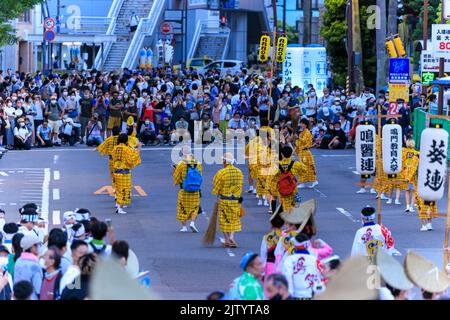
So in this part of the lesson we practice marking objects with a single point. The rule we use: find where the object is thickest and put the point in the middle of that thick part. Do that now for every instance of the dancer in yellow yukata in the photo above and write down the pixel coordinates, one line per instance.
(188, 175)
(106, 148)
(283, 184)
(410, 165)
(124, 159)
(251, 155)
(427, 211)
(263, 168)
(305, 156)
(380, 183)
(227, 185)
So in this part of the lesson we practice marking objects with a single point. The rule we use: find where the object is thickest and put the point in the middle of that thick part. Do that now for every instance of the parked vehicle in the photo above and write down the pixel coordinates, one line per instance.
(223, 65)
(198, 62)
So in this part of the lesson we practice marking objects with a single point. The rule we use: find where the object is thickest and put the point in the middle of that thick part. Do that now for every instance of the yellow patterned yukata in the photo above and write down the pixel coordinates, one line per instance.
(297, 169)
(124, 158)
(305, 156)
(188, 202)
(228, 182)
(381, 184)
(410, 164)
(251, 154)
(264, 167)
(106, 148)
(425, 211)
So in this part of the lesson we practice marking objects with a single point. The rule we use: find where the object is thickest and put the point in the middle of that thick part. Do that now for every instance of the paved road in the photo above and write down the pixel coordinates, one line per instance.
(180, 267)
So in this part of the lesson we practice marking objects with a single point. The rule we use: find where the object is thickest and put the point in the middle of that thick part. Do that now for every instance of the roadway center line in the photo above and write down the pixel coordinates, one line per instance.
(356, 172)
(56, 217)
(56, 194)
(2, 173)
(56, 175)
(55, 158)
(347, 214)
(322, 195)
(45, 195)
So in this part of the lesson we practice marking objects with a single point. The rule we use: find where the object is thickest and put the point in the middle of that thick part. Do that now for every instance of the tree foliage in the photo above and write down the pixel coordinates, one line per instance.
(292, 35)
(9, 10)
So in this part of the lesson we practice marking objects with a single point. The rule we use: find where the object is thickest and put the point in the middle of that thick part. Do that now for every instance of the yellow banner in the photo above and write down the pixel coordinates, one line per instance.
(398, 91)
(264, 47)
(281, 49)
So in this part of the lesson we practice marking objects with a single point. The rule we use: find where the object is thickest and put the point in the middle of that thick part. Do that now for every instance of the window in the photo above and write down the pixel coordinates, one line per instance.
(314, 4)
(229, 64)
(215, 65)
(25, 17)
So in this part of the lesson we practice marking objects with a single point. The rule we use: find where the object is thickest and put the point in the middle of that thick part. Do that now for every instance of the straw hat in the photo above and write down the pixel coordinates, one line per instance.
(393, 272)
(350, 282)
(301, 213)
(276, 213)
(424, 274)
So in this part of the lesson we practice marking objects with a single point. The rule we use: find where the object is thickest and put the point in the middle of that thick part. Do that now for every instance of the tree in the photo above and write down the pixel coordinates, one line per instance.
(291, 34)
(9, 10)
(380, 45)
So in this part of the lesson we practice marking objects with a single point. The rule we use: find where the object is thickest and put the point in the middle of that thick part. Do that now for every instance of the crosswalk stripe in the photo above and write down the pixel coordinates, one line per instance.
(55, 194)
(56, 217)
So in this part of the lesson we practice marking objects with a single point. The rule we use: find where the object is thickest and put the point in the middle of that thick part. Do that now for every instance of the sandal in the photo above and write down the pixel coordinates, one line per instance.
(233, 244)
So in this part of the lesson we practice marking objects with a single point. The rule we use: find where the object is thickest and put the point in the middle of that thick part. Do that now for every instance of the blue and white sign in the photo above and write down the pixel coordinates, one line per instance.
(399, 70)
(306, 65)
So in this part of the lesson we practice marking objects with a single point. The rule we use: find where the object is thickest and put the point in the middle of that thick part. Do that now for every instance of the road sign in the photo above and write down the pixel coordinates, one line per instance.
(49, 23)
(440, 39)
(399, 70)
(166, 27)
(173, 15)
(428, 77)
(49, 35)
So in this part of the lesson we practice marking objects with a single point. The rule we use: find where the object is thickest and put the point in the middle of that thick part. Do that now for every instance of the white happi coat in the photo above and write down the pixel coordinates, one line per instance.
(371, 238)
(304, 275)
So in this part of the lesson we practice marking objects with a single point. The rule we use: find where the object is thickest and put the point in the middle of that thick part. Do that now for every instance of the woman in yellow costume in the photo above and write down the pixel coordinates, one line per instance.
(124, 159)
(188, 196)
(106, 148)
(305, 156)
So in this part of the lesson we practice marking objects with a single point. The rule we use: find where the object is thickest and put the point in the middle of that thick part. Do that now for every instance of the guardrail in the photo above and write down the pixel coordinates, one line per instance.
(205, 27)
(145, 28)
(113, 13)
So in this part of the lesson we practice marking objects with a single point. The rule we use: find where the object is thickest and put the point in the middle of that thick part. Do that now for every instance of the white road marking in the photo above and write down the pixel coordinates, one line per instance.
(13, 204)
(56, 217)
(2, 204)
(45, 195)
(55, 194)
(230, 253)
(11, 171)
(2, 173)
(55, 158)
(322, 195)
(56, 175)
(347, 214)
(20, 171)
(357, 173)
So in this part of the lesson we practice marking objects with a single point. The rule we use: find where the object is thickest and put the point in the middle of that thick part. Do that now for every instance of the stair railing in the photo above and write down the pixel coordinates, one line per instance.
(112, 14)
(146, 27)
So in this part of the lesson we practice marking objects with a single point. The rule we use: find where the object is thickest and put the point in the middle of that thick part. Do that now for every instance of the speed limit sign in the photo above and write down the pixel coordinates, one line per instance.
(440, 37)
(49, 23)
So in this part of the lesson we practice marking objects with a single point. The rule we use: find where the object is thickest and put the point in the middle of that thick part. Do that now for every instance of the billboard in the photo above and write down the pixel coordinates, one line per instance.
(305, 65)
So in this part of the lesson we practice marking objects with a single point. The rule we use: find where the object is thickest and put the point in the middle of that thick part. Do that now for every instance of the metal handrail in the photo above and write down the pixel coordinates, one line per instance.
(113, 13)
(227, 44)
(146, 27)
(195, 40)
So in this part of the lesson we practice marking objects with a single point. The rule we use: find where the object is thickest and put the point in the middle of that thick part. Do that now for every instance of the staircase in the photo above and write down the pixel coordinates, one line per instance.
(211, 46)
(119, 49)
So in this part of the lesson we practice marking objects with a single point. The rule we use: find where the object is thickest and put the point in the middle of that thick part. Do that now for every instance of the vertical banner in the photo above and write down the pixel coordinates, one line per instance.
(281, 49)
(264, 45)
(365, 149)
(432, 164)
(392, 148)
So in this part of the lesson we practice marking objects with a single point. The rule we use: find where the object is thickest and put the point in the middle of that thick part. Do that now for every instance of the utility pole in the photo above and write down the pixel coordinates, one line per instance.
(307, 17)
(441, 71)
(284, 17)
(380, 34)
(392, 17)
(425, 36)
(185, 31)
(275, 18)
(350, 46)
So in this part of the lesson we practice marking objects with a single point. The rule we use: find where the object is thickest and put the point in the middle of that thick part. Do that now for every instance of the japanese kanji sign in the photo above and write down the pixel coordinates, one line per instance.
(440, 38)
(392, 148)
(399, 70)
(432, 164)
(264, 47)
(365, 149)
(281, 49)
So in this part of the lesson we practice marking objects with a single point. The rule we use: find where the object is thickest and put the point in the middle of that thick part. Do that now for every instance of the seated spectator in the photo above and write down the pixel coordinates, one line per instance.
(21, 135)
(318, 140)
(43, 135)
(94, 132)
(165, 132)
(148, 132)
(339, 139)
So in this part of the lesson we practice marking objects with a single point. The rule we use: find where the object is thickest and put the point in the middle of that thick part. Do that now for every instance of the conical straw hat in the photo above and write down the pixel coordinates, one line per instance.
(393, 272)
(301, 213)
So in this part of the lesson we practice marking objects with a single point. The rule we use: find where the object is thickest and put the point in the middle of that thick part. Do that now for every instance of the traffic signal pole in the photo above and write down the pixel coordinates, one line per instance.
(425, 34)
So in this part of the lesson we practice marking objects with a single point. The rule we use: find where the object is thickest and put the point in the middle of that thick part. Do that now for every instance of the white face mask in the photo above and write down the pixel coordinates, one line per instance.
(65, 94)
(145, 94)
(22, 124)
(42, 263)
(147, 121)
(3, 262)
(72, 97)
(9, 104)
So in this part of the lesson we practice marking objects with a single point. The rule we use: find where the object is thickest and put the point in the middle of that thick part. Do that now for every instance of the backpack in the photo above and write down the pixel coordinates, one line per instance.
(287, 182)
(193, 179)
(98, 251)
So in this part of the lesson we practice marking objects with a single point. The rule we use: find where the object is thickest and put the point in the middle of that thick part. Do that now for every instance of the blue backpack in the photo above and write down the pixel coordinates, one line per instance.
(193, 179)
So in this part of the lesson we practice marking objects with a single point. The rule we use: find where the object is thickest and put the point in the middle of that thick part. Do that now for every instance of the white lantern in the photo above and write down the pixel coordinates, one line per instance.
(365, 149)
(392, 148)
(432, 164)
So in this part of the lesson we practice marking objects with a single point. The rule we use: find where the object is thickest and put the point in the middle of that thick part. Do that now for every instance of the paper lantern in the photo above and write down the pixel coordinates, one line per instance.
(365, 149)
(392, 148)
(432, 164)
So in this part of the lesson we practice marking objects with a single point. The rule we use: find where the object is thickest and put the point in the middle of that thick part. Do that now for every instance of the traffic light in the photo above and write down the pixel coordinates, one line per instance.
(168, 52)
(399, 46)
(391, 48)
(223, 21)
(160, 51)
